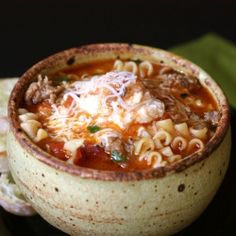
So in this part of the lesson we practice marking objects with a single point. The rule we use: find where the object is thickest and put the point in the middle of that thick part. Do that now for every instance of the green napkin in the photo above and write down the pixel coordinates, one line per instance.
(217, 57)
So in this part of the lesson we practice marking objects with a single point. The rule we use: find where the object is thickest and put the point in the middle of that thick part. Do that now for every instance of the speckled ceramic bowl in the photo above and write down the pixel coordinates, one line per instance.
(83, 201)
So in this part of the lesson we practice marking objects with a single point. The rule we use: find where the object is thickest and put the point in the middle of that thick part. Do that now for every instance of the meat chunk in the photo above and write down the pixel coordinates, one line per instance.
(191, 83)
(41, 90)
(177, 80)
(212, 117)
(178, 111)
(196, 121)
(166, 85)
(209, 119)
(111, 141)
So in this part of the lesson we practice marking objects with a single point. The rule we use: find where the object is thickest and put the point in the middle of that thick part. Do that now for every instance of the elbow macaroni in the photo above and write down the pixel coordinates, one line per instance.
(199, 133)
(145, 68)
(183, 129)
(166, 124)
(31, 126)
(165, 142)
(195, 143)
(179, 143)
(131, 67)
(118, 65)
(153, 159)
(143, 145)
(162, 138)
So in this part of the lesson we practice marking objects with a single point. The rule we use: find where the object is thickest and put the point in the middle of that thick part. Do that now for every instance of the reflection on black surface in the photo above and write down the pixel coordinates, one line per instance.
(217, 219)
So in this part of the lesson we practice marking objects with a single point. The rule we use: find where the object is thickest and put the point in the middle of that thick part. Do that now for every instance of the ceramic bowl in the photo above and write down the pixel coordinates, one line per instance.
(82, 201)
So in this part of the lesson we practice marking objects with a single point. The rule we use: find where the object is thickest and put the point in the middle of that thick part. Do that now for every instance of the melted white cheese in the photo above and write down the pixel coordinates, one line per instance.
(90, 104)
(99, 100)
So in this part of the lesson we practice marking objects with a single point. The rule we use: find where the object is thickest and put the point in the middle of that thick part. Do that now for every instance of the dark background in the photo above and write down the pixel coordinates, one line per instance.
(32, 30)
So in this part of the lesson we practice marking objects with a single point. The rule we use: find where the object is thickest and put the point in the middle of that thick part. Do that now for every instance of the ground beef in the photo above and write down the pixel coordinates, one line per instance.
(41, 90)
(209, 119)
(196, 121)
(177, 110)
(212, 117)
(176, 80)
(170, 82)
(113, 143)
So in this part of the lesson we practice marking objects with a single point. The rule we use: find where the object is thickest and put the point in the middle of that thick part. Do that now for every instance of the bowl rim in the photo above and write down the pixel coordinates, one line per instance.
(84, 172)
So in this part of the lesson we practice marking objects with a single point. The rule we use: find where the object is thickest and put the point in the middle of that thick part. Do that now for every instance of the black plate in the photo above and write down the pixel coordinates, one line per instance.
(218, 219)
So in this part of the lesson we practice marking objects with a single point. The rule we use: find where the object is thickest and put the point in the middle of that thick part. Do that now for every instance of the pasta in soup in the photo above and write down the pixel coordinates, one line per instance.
(123, 115)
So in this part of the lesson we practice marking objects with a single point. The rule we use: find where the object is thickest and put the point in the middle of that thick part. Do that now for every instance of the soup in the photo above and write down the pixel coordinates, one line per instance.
(121, 115)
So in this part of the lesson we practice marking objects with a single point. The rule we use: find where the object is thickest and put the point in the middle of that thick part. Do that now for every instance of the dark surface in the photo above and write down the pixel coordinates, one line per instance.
(32, 30)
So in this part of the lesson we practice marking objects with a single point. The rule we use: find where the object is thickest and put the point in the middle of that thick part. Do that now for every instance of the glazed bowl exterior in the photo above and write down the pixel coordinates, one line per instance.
(82, 201)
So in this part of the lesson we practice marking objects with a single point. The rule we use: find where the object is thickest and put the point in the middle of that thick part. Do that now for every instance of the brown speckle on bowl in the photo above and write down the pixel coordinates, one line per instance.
(70, 61)
(181, 187)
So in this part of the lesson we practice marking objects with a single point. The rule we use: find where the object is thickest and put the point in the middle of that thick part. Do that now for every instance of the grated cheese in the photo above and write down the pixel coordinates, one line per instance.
(97, 100)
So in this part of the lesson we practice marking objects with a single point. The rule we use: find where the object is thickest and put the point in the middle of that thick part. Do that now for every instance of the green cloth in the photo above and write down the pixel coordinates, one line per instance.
(217, 57)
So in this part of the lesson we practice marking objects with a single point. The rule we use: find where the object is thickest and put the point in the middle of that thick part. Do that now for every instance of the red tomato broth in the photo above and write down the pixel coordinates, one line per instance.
(53, 147)
(90, 156)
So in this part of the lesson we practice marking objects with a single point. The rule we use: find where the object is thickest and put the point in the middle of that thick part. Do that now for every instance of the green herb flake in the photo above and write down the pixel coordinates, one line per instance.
(93, 128)
(183, 95)
(117, 157)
